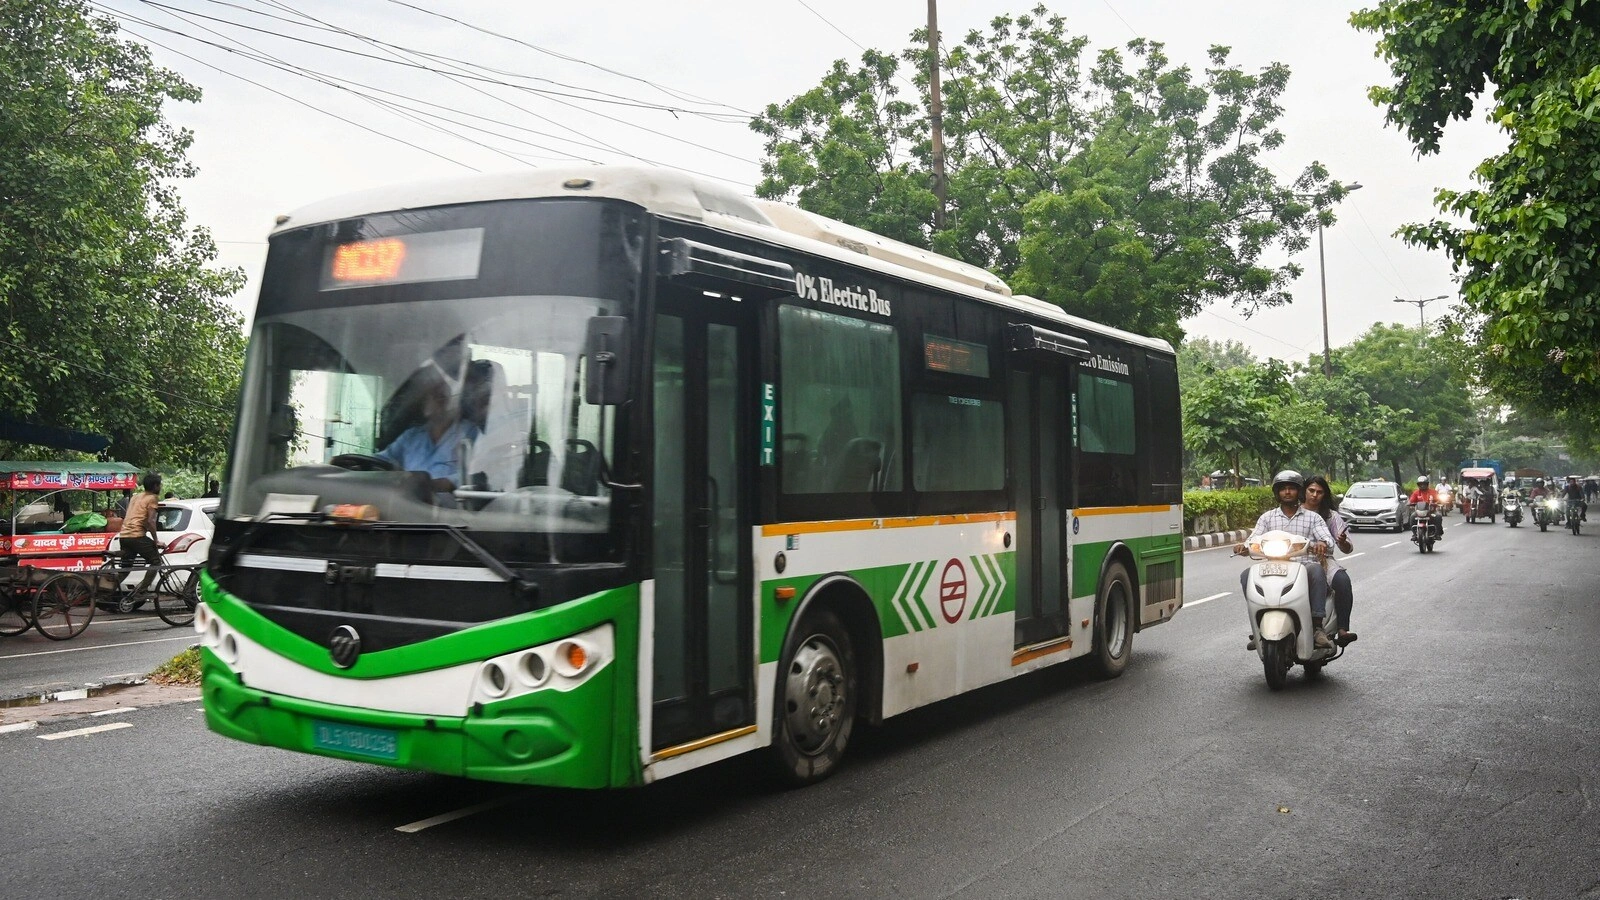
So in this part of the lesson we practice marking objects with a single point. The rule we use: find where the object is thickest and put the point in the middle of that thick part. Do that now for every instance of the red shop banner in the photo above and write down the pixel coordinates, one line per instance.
(73, 481)
(56, 544)
(63, 563)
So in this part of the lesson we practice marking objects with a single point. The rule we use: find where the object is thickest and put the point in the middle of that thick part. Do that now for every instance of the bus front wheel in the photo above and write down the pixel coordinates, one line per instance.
(818, 684)
(1113, 623)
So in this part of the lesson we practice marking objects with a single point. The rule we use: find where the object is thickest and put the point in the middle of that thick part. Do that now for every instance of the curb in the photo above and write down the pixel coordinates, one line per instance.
(59, 693)
(1203, 541)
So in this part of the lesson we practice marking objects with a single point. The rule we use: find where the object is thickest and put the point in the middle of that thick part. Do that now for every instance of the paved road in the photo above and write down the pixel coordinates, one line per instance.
(112, 645)
(1451, 754)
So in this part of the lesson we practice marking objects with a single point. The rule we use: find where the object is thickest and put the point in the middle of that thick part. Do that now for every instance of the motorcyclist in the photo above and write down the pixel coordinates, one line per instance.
(1289, 487)
(1573, 493)
(1537, 492)
(1426, 494)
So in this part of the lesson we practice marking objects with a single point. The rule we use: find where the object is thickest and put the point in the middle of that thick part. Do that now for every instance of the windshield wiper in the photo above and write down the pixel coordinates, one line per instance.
(231, 549)
(523, 585)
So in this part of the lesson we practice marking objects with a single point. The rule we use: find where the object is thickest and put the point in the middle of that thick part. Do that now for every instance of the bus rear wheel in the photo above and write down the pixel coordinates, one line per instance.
(1113, 622)
(818, 683)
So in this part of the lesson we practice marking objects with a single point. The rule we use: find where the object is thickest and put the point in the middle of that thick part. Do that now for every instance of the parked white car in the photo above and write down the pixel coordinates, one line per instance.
(183, 531)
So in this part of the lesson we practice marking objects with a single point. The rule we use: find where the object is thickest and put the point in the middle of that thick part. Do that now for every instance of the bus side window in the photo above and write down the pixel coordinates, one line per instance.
(839, 403)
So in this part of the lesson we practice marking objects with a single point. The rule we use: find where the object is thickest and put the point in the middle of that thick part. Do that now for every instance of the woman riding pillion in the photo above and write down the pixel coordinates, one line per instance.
(1289, 488)
(1319, 499)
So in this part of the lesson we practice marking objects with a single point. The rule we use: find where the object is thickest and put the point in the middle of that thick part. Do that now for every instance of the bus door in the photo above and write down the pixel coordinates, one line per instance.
(1038, 410)
(704, 402)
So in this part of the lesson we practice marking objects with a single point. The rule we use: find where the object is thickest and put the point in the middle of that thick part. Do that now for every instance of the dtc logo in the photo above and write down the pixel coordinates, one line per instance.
(953, 591)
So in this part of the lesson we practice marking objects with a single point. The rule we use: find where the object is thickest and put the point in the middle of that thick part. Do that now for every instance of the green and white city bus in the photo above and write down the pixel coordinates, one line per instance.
(698, 475)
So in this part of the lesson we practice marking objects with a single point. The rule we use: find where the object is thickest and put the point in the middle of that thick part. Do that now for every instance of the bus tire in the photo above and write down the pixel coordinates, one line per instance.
(818, 688)
(1113, 622)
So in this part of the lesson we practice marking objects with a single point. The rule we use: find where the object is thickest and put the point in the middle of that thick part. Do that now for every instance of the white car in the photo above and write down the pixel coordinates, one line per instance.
(183, 531)
(1377, 504)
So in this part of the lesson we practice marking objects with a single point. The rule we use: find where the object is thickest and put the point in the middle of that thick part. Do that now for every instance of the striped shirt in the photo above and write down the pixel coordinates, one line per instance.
(1304, 523)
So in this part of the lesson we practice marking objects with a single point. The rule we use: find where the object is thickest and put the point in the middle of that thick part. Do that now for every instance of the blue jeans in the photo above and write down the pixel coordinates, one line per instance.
(1316, 584)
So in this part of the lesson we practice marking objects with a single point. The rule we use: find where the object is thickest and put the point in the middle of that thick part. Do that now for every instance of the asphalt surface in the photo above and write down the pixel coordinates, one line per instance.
(114, 646)
(1451, 753)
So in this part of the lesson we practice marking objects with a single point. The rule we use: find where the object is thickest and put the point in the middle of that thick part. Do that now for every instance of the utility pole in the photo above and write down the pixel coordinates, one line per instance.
(936, 111)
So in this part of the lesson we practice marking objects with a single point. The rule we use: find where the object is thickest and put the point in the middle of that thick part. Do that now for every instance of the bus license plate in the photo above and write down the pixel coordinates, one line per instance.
(376, 743)
(1274, 568)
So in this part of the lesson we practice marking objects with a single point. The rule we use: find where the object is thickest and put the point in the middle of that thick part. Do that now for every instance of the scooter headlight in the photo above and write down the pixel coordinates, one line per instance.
(1275, 548)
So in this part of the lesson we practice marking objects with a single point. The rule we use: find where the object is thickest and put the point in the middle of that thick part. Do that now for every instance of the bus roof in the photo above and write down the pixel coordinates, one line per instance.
(677, 195)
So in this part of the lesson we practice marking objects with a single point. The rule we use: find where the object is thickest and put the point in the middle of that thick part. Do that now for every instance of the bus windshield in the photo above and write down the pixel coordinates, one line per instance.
(468, 411)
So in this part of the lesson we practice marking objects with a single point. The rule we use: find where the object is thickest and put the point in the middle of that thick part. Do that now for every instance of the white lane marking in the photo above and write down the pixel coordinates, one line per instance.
(192, 638)
(112, 712)
(18, 726)
(112, 726)
(415, 827)
(1354, 555)
(1395, 544)
(1206, 599)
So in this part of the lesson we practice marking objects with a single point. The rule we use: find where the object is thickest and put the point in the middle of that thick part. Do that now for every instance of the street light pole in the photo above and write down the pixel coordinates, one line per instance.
(1322, 268)
(1422, 322)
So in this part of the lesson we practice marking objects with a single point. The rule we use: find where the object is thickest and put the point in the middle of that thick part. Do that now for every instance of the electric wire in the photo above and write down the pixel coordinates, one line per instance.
(681, 95)
(399, 109)
(553, 96)
(601, 98)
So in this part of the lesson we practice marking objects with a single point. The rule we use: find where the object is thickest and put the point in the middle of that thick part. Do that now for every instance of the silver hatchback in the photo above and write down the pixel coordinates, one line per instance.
(1376, 504)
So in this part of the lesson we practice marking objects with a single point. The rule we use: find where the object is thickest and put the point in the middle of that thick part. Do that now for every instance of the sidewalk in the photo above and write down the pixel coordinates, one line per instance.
(25, 713)
(1202, 541)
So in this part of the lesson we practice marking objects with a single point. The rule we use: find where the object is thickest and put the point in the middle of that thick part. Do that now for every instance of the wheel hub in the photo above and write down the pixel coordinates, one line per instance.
(815, 695)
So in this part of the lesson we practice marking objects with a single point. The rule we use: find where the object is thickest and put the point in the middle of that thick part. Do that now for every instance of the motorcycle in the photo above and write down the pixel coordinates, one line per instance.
(1446, 501)
(1545, 511)
(1574, 516)
(1512, 510)
(1423, 526)
(1277, 600)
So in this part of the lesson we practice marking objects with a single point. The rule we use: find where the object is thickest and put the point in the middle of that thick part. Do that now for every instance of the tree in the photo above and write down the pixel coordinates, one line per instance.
(1236, 414)
(113, 320)
(1432, 421)
(1124, 189)
(1522, 241)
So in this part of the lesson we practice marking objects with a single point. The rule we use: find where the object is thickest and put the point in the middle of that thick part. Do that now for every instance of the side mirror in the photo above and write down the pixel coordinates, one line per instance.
(606, 347)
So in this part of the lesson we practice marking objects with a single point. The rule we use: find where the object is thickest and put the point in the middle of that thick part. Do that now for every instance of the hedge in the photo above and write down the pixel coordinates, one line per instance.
(1231, 509)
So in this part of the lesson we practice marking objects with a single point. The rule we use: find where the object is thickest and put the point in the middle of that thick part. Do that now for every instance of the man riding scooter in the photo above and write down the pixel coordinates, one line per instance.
(1425, 494)
(1289, 488)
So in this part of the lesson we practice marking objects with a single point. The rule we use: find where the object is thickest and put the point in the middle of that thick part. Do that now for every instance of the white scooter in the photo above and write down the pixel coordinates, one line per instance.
(1278, 601)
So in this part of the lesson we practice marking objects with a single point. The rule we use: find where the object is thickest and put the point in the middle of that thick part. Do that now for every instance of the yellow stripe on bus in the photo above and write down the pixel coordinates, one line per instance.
(780, 529)
(701, 744)
(1120, 510)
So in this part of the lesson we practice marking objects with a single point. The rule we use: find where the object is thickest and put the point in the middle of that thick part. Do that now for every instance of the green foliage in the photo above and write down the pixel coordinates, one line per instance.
(1235, 508)
(111, 320)
(181, 669)
(1421, 417)
(1122, 188)
(1238, 413)
(1523, 240)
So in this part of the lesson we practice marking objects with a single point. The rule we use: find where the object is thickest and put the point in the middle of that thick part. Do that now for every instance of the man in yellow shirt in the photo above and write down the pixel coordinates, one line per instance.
(138, 534)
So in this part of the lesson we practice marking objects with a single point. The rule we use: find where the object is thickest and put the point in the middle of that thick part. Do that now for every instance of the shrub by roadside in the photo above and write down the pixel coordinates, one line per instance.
(1208, 512)
(181, 669)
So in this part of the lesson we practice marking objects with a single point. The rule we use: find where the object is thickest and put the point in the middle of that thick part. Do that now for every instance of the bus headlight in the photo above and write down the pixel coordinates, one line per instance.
(493, 679)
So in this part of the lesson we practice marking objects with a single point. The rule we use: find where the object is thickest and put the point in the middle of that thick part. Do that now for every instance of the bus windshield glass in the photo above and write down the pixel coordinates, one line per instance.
(468, 411)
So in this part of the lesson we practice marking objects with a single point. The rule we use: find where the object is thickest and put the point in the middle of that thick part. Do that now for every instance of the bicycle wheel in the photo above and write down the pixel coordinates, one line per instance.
(176, 596)
(63, 607)
(16, 611)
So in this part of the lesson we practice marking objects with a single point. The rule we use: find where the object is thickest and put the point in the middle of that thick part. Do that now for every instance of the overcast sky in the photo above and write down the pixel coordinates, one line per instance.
(278, 141)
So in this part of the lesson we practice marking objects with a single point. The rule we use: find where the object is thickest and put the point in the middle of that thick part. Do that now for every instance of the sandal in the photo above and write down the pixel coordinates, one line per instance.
(1346, 638)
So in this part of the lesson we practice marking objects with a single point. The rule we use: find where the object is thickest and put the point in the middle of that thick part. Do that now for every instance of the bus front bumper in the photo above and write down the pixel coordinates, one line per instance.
(558, 739)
